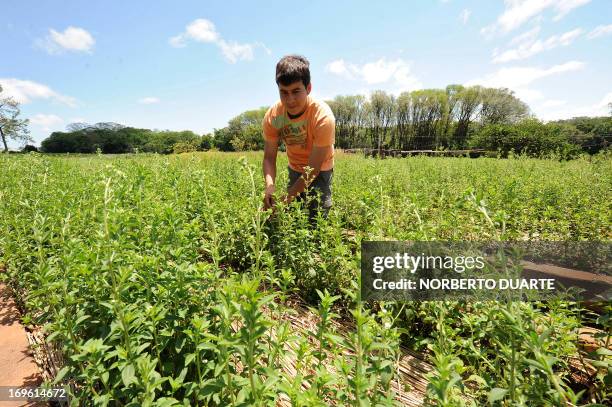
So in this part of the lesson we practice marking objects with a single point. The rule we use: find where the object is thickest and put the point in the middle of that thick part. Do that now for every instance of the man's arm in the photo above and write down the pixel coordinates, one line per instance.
(269, 171)
(317, 157)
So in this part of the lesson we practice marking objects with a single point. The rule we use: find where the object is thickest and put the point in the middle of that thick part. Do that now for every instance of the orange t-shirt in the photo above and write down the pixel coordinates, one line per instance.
(315, 127)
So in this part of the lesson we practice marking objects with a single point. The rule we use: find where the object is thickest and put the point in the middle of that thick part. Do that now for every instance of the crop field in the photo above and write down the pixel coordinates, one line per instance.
(159, 281)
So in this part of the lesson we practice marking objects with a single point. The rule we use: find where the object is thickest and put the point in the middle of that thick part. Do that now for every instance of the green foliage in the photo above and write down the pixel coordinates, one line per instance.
(164, 284)
(422, 119)
(500, 106)
(530, 137)
(207, 142)
(223, 139)
(490, 347)
(112, 138)
(11, 125)
(454, 118)
(243, 132)
(185, 147)
(459, 117)
(28, 148)
(163, 142)
(592, 134)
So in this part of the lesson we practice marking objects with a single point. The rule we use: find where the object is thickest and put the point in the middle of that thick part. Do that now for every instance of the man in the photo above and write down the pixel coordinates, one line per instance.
(307, 127)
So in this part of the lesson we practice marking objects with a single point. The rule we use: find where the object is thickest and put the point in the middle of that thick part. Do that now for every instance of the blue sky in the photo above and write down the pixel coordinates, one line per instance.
(195, 65)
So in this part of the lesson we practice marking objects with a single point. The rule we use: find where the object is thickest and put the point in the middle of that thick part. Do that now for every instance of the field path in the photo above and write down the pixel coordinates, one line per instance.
(17, 366)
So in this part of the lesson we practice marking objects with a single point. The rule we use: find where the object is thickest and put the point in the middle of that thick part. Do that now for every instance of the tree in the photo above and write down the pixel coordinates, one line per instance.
(60, 142)
(185, 147)
(243, 132)
(592, 134)
(501, 106)
(468, 100)
(72, 127)
(207, 142)
(11, 126)
(428, 109)
(111, 139)
(223, 139)
(382, 114)
(452, 99)
(530, 137)
(108, 126)
(350, 115)
(404, 104)
(163, 142)
(341, 107)
(28, 148)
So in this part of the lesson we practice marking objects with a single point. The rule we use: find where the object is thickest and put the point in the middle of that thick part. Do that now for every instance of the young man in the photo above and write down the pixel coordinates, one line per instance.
(307, 127)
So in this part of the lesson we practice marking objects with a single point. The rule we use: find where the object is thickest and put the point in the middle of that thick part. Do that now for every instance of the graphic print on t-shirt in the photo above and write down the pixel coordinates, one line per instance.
(291, 133)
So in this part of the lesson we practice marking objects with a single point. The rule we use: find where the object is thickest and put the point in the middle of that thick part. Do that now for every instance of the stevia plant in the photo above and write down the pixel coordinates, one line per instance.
(150, 274)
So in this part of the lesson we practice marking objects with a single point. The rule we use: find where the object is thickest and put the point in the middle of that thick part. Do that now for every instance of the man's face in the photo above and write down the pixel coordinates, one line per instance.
(294, 96)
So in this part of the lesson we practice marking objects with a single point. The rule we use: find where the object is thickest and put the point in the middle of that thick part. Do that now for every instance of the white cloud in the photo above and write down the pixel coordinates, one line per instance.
(563, 7)
(527, 36)
(528, 95)
(178, 41)
(379, 71)
(568, 37)
(321, 96)
(599, 108)
(199, 30)
(204, 31)
(262, 45)
(464, 16)
(47, 122)
(148, 100)
(518, 12)
(553, 103)
(395, 72)
(338, 67)
(518, 79)
(604, 103)
(234, 51)
(25, 91)
(522, 76)
(72, 39)
(531, 46)
(600, 31)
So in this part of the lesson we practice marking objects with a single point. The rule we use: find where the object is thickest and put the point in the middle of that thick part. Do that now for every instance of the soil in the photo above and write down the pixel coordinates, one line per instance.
(17, 365)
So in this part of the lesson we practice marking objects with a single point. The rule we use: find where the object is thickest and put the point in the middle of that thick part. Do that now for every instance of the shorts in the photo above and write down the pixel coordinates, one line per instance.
(322, 185)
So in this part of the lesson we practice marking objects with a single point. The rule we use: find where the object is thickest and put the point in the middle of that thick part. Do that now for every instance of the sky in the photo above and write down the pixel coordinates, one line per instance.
(193, 65)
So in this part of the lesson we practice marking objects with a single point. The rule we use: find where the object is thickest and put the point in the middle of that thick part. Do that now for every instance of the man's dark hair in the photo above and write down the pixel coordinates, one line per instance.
(293, 68)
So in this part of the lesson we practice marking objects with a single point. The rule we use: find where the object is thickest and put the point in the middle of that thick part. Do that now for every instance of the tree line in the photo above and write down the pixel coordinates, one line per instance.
(114, 138)
(243, 132)
(456, 117)
(460, 117)
(422, 119)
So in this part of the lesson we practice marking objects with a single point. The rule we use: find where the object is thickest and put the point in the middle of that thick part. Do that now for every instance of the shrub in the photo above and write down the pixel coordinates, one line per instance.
(185, 147)
(29, 148)
(530, 137)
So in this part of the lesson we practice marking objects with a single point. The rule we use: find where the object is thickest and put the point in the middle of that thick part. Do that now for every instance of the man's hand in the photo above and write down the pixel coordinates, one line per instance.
(268, 201)
(286, 199)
